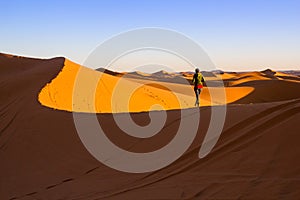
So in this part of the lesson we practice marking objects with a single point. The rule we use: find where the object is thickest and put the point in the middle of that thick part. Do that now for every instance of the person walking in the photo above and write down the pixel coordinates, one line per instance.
(198, 82)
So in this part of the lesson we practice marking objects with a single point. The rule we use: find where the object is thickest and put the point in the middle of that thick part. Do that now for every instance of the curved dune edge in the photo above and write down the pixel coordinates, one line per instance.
(80, 89)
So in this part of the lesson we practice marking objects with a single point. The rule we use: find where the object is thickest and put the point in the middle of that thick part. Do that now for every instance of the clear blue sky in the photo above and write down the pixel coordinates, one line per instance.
(237, 34)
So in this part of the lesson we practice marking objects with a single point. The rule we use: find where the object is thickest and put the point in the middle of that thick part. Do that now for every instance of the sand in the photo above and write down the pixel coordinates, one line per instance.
(42, 157)
(80, 89)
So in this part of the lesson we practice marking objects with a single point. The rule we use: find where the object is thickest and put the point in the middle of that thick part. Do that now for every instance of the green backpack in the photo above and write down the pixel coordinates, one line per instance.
(199, 79)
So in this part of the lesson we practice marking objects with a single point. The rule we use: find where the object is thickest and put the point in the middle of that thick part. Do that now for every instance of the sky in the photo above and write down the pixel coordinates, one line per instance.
(237, 35)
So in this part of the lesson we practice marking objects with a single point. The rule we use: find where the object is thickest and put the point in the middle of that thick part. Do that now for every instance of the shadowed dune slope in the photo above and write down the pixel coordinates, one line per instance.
(270, 91)
(42, 157)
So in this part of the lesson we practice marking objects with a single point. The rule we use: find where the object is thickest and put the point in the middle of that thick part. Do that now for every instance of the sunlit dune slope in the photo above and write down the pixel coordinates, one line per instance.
(80, 89)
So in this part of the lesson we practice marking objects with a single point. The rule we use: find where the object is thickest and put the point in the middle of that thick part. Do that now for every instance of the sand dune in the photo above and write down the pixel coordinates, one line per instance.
(160, 76)
(243, 88)
(103, 93)
(138, 74)
(42, 157)
(106, 71)
(165, 74)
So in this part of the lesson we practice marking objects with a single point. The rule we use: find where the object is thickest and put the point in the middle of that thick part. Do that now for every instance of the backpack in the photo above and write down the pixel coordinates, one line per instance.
(199, 80)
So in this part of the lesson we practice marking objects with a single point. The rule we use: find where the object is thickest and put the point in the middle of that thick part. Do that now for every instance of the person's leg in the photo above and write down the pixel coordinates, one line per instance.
(197, 96)
(199, 91)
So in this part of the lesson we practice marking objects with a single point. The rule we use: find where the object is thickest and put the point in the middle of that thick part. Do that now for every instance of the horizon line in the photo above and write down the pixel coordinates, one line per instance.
(217, 68)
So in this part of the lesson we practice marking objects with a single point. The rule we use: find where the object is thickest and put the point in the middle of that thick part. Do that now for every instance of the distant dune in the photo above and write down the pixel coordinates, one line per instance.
(42, 157)
(292, 72)
(109, 72)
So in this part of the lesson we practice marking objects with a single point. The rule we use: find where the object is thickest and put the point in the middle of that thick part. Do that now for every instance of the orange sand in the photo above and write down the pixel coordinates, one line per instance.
(80, 89)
